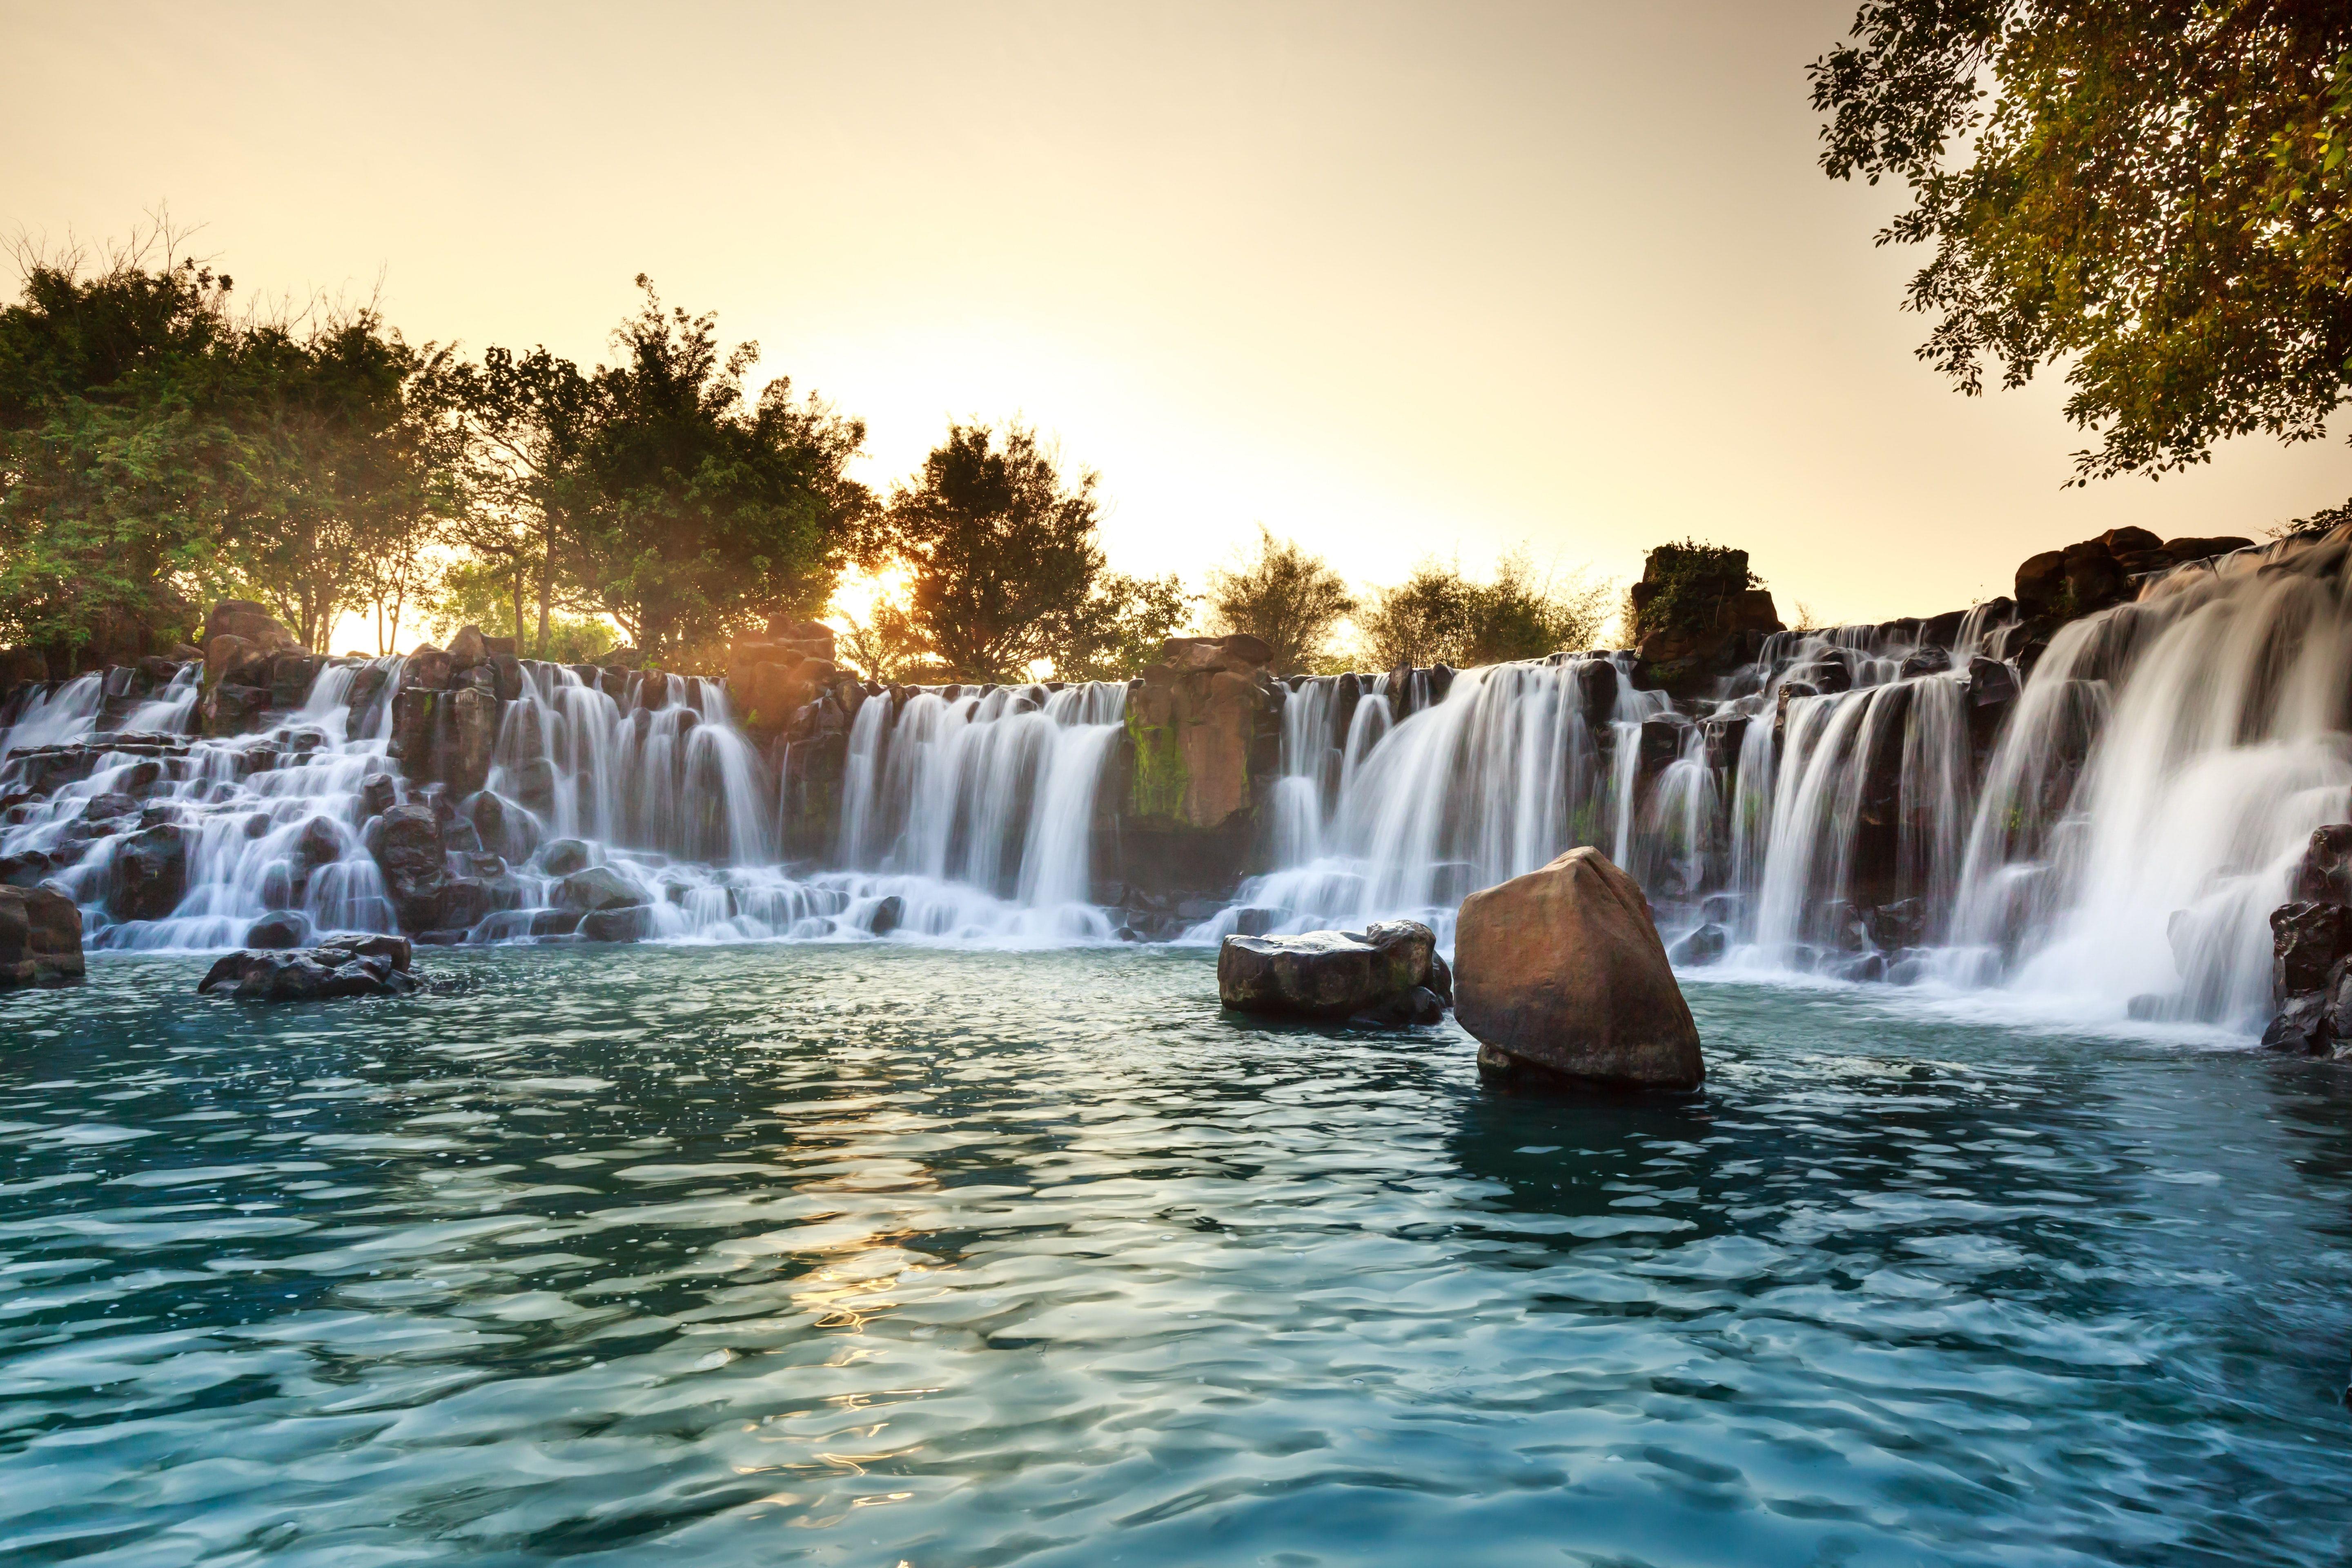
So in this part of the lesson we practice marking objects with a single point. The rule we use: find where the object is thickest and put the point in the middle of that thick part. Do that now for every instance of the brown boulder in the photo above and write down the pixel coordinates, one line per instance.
(1561, 970)
(230, 658)
(468, 648)
(765, 696)
(1239, 654)
(2041, 581)
(2179, 550)
(428, 668)
(253, 622)
(464, 757)
(40, 938)
(2129, 541)
(814, 639)
(2093, 580)
(1191, 731)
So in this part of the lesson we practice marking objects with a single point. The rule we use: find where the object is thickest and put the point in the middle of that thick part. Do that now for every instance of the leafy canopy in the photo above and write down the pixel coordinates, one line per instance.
(704, 514)
(1005, 572)
(2154, 193)
(1439, 616)
(1285, 596)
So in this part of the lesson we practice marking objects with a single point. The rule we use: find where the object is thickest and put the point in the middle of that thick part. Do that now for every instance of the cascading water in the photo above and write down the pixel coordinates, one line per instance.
(170, 841)
(959, 797)
(2146, 808)
(1897, 802)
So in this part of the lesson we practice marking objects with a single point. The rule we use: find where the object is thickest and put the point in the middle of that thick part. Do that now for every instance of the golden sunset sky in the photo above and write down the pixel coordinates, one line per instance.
(1395, 279)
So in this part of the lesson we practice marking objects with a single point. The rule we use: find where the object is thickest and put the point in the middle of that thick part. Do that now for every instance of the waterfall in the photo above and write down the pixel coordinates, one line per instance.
(964, 794)
(2145, 809)
(2102, 830)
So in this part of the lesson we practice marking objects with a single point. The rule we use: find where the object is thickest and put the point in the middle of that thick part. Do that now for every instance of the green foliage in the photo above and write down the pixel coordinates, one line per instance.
(704, 516)
(1159, 777)
(480, 592)
(1439, 616)
(154, 453)
(1285, 596)
(1686, 587)
(1120, 628)
(1003, 558)
(2156, 193)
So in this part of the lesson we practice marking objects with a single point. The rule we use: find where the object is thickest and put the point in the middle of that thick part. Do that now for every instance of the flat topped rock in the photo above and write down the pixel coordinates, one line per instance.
(1386, 973)
(338, 967)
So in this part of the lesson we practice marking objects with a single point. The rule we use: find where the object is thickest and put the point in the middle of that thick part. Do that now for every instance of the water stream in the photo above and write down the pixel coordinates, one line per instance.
(2104, 832)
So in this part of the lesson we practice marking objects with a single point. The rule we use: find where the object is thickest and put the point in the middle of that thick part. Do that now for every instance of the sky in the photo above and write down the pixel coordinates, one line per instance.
(1398, 281)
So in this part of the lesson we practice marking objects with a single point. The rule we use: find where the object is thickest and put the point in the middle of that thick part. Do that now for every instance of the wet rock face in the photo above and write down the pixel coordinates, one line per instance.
(2310, 952)
(408, 849)
(149, 874)
(1388, 975)
(597, 888)
(342, 967)
(1561, 972)
(2307, 939)
(40, 938)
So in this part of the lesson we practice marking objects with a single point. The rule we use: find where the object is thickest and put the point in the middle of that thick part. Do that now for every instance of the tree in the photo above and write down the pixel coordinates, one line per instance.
(529, 421)
(479, 592)
(883, 646)
(121, 475)
(356, 462)
(2156, 193)
(1285, 596)
(1118, 628)
(700, 516)
(1000, 553)
(1439, 616)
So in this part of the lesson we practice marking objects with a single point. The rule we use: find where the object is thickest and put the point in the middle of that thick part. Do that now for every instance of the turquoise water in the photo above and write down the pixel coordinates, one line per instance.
(876, 1256)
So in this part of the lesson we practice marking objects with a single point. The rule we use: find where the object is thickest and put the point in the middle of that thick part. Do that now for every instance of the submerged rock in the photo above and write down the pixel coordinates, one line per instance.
(338, 967)
(597, 888)
(1561, 970)
(628, 922)
(1707, 944)
(285, 928)
(1382, 975)
(40, 938)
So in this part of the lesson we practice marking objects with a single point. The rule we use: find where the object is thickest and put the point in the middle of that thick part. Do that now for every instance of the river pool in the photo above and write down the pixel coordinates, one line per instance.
(883, 1255)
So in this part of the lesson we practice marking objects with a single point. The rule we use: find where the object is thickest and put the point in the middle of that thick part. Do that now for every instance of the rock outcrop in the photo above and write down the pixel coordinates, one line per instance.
(1388, 975)
(1201, 749)
(338, 967)
(2059, 585)
(40, 938)
(2310, 952)
(1560, 974)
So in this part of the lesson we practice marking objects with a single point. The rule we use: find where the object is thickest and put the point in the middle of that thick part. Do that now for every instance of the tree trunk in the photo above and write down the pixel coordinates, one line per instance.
(546, 580)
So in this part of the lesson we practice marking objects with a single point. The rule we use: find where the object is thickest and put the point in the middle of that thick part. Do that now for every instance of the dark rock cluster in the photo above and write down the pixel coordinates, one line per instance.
(2310, 952)
(338, 967)
(1387, 975)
